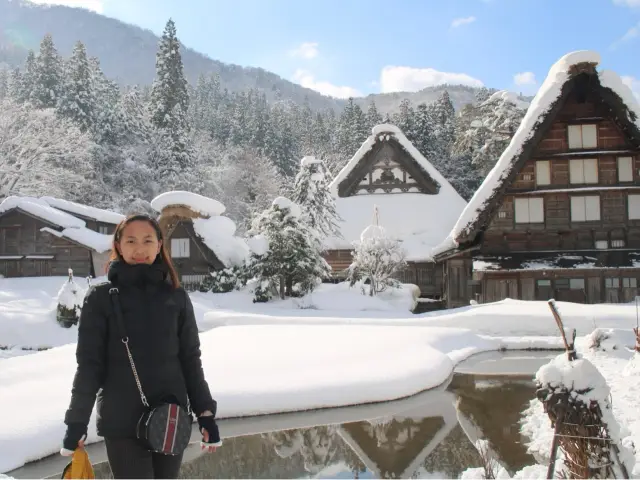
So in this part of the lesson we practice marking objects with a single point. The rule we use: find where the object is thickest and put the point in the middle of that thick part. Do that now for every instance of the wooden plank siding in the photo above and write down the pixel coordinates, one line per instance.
(598, 285)
(20, 235)
(562, 230)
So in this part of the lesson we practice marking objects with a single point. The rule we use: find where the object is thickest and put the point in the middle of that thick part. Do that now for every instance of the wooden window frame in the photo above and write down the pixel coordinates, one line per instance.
(517, 200)
(620, 170)
(636, 197)
(180, 251)
(582, 163)
(584, 198)
(546, 164)
(580, 128)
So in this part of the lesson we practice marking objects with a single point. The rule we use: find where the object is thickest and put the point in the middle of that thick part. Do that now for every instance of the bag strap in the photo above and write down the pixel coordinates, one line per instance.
(115, 299)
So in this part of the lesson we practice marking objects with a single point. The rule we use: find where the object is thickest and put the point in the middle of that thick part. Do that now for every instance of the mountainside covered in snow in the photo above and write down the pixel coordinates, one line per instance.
(127, 55)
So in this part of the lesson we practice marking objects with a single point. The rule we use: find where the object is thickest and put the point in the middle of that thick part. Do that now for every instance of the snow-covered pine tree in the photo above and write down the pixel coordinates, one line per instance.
(22, 82)
(292, 265)
(70, 300)
(373, 116)
(4, 83)
(107, 128)
(171, 153)
(376, 259)
(311, 193)
(134, 117)
(77, 100)
(48, 75)
(169, 99)
(351, 130)
(442, 121)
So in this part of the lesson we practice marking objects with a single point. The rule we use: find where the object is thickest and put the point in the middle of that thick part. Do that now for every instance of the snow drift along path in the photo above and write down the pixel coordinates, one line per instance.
(251, 370)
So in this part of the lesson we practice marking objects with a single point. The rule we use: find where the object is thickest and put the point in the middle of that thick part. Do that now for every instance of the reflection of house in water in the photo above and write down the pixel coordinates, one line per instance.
(491, 408)
(398, 447)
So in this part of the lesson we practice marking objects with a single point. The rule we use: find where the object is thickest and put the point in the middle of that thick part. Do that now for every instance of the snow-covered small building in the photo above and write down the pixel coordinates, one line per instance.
(414, 203)
(47, 236)
(559, 214)
(197, 235)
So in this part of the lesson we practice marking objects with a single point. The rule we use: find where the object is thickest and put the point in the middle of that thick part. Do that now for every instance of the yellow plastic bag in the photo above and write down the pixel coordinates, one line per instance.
(79, 466)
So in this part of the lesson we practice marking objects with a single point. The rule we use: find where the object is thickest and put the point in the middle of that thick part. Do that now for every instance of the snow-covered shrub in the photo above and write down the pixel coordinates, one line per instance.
(70, 298)
(292, 265)
(226, 280)
(376, 259)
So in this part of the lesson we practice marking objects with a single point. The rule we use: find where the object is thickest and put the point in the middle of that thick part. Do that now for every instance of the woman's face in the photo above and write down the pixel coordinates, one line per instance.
(139, 243)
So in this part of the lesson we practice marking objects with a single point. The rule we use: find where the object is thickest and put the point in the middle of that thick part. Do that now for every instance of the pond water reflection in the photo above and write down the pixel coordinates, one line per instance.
(430, 439)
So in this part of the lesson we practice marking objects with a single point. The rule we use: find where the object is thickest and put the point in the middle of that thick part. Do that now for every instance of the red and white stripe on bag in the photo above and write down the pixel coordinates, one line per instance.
(171, 429)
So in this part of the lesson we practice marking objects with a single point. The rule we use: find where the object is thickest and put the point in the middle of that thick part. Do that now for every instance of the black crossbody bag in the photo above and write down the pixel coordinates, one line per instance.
(164, 428)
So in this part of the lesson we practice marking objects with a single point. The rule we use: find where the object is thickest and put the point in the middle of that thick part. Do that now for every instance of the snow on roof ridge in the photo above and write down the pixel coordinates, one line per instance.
(197, 203)
(99, 214)
(547, 95)
(405, 143)
(610, 79)
(41, 209)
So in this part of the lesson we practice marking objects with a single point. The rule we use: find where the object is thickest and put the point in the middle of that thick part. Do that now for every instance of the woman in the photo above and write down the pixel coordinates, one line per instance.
(163, 338)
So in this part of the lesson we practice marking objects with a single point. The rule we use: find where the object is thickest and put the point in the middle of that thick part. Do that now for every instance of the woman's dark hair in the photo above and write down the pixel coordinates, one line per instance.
(164, 256)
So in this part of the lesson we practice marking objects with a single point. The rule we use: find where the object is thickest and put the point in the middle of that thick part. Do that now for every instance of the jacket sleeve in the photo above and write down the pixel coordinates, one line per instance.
(90, 356)
(197, 386)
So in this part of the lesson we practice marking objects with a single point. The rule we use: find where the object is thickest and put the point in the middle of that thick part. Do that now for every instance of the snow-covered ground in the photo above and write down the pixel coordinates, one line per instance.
(322, 351)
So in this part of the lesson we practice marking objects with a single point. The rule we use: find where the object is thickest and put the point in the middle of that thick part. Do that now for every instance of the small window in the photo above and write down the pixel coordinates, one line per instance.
(562, 283)
(583, 171)
(543, 173)
(180, 247)
(585, 209)
(583, 136)
(634, 207)
(629, 282)
(625, 169)
(612, 282)
(602, 244)
(576, 283)
(526, 177)
(529, 210)
(103, 229)
(502, 214)
(617, 243)
(543, 283)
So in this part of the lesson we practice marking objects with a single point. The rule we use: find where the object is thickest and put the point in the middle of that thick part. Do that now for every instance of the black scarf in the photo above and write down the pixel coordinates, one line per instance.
(139, 275)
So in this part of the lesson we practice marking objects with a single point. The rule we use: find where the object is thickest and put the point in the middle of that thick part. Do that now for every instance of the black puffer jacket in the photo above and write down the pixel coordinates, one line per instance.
(164, 343)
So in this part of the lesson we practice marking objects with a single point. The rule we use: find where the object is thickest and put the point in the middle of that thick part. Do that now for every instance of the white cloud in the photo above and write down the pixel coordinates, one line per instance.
(627, 3)
(634, 84)
(525, 78)
(458, 22)
(632, 33)
(307, 80)
(95, 5)
(409, 79)
(306, 50)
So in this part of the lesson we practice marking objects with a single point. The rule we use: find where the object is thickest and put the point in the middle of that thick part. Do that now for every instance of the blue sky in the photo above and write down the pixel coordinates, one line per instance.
(357, 47)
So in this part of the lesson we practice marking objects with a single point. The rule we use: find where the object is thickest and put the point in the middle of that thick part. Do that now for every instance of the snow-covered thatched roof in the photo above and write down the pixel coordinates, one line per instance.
(97, 214)
(541, 113)
(216, 232)
(420, 220)
(63, 224)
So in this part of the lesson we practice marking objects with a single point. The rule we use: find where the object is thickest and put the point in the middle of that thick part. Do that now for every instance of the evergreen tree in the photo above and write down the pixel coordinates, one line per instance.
(442, 122)
(107, 128)
(292, 265)
(373, 116)
(77, 99)
(169, 104)
(4, 83)
(376, 260)
(352, 129)
(48, 75)
(311, 193)
(134, 116)
(22, 83)
(169, 98)
(405, 119)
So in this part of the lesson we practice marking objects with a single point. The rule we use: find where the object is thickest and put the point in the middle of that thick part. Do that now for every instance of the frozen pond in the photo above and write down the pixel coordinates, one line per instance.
(429, 434)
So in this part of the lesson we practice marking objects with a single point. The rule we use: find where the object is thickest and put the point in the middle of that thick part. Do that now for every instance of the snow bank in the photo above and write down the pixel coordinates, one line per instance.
(204, 205)
(508, 318)
(98, 214)
(266, 370)
(547, 95)
(438, 213)
(218, 234)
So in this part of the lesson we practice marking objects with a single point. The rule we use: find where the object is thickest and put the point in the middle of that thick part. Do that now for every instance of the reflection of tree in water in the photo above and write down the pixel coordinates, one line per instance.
(453, 456)
(316, 445)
